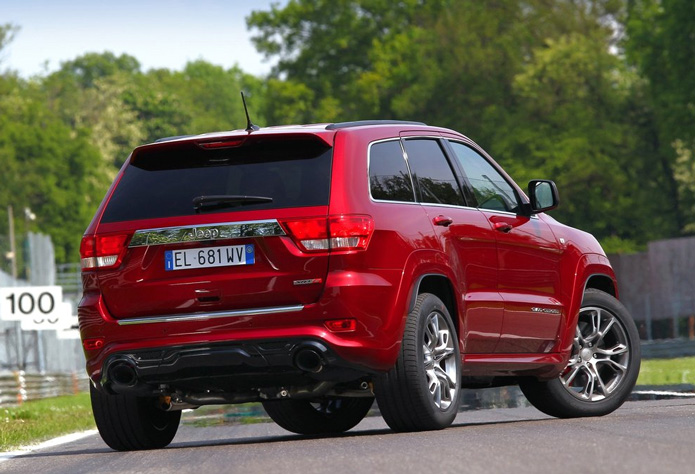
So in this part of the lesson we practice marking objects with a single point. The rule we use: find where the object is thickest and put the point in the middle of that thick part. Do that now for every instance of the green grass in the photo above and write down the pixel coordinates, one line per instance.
(40, 420)
(667, 371)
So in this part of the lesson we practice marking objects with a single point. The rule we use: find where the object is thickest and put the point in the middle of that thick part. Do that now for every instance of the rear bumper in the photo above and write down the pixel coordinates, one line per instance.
(248, 343)
(226, 367)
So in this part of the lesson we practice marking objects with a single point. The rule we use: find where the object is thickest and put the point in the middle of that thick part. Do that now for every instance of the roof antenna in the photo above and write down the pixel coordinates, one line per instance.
(249, 126)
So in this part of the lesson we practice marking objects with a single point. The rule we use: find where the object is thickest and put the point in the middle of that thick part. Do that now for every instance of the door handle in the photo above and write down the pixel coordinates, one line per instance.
(502, 226)
(443, 221)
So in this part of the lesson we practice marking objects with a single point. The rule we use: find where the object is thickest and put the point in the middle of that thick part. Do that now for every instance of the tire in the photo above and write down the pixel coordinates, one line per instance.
(128, 423)
(422, 391)
(603, 366)
(331, 415)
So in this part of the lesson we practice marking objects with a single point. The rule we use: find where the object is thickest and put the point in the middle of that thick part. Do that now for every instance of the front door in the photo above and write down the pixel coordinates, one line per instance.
(528, 257)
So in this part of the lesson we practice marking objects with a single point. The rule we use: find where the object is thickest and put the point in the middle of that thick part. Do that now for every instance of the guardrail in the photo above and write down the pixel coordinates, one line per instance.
(19, 387)
(69, 276)
(668, 349)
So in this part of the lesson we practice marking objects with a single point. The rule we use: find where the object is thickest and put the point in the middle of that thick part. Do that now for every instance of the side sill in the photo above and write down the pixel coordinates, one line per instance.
(505, 365)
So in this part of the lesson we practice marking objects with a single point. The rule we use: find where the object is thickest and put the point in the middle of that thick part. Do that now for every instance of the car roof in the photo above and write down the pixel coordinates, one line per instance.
(324, 131)
(290, 128)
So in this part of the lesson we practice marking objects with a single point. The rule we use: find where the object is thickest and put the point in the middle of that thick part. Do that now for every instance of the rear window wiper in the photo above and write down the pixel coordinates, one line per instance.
(209, 203)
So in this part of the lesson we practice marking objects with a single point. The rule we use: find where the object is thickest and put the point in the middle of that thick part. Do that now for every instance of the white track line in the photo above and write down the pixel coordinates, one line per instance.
(663, 393)
(51, 443)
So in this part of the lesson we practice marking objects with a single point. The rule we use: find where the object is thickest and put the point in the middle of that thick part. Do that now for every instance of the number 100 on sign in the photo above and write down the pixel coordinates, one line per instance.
(20, 303)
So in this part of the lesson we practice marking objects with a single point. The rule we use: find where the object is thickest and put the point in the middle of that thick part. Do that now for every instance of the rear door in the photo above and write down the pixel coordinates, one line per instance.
(467, 239)
(206, 226)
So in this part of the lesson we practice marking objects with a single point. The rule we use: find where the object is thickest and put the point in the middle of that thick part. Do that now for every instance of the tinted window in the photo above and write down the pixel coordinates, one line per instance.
(431, 171)
(388, 174)
(491, 190)
(163, 181)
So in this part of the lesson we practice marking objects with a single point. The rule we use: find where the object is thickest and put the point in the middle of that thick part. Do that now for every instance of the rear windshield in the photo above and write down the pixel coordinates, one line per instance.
(164, 181)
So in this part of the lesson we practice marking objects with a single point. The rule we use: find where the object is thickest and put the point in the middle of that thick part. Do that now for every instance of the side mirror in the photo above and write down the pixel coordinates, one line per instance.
(543, 195)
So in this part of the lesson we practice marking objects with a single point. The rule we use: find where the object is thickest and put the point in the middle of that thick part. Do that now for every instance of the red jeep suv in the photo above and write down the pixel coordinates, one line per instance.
(316, 267)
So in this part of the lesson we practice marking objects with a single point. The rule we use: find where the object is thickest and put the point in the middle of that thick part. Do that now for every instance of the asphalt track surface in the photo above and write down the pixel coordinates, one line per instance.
(640, 437)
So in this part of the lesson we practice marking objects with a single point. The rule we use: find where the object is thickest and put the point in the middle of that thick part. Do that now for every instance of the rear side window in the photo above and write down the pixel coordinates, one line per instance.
(432, 172)
(389, 179)
(164, 181)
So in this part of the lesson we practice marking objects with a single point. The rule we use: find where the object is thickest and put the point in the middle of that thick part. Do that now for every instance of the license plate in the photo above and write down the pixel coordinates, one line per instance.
(209, 257)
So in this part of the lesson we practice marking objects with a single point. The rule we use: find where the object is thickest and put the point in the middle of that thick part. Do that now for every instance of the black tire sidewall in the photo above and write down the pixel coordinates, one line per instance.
(298, 416)
(553, 398)
(128, 423)
(427, 304)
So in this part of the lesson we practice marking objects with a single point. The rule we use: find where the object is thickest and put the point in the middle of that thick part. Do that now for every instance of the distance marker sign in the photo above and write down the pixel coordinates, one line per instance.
(37, 307)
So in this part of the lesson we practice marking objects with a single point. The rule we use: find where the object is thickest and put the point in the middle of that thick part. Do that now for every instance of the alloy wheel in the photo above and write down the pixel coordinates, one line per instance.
(600, 356)
(440, 360)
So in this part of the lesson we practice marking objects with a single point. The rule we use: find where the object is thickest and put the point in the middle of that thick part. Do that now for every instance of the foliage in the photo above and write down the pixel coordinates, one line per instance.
(326, 44)
(48, 167)
(209, 93)
(7, 33)
(661, 44)
(598, 95)
(44, 419)
(596, 162)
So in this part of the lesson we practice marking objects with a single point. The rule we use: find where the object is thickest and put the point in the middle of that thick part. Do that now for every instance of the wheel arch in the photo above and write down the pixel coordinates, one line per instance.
(603, 282)
(441, 286)
(592, 271)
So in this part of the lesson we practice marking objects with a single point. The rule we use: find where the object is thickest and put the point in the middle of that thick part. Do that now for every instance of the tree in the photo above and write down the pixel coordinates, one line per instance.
(88, 93)
(7, 33)
(660, 42)
(208, 95)
(326, 44)
(85, 70)
(574, 122)
(48, 167)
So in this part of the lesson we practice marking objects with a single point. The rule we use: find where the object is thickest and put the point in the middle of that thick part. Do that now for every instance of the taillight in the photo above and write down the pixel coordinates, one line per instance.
(310, 234)
(350, 232)
(334, 233)
(103, 251)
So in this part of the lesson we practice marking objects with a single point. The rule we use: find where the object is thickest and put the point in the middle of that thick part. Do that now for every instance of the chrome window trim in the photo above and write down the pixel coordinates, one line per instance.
(506, 213)
(468, 208)
(206, 232)
(386, 201)
(451, 206)
(175, 318)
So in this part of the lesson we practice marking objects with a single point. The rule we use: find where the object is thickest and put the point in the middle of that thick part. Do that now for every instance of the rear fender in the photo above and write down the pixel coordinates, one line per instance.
(420, 265)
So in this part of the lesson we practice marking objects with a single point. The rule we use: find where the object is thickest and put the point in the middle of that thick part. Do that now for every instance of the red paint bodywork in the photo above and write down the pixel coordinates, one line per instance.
(495, 277)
